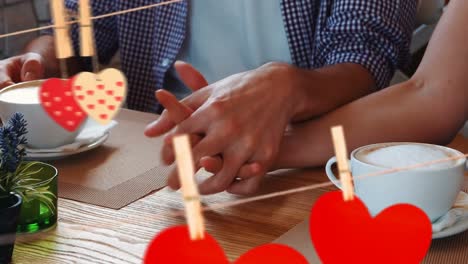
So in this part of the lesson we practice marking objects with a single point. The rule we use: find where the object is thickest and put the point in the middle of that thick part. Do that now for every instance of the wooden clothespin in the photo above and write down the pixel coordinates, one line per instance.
(63, 46)
(185, 168)
(341, 154)
(86, 30)
(87, 43)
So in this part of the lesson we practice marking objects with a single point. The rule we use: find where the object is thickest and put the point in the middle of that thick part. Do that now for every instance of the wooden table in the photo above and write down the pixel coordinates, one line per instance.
(91, 234)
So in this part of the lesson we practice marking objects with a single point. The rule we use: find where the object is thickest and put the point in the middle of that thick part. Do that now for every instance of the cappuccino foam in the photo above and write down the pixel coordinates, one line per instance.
(395, 156)
(23, 95)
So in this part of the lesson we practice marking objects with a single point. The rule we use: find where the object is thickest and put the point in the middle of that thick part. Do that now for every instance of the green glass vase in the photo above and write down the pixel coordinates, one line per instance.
(36, 214)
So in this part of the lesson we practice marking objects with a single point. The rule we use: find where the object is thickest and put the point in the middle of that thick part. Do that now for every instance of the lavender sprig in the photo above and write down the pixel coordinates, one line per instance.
(18, 125)
(12, 141)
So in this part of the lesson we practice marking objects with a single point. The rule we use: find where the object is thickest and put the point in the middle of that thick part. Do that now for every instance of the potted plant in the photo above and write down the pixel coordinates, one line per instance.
(20, 181)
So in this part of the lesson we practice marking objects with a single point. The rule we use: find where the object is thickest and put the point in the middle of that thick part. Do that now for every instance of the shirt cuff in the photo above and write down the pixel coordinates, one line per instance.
(381, 70)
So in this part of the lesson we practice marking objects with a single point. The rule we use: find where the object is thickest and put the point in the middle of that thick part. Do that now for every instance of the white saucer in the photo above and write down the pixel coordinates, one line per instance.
(46, 156)
(459, 227)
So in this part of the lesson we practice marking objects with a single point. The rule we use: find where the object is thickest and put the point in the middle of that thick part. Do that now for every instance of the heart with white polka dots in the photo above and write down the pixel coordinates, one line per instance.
(57, 100)
(100, 95)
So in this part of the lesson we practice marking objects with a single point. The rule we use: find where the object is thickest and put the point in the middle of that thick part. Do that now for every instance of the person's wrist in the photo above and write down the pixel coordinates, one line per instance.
(285, 79)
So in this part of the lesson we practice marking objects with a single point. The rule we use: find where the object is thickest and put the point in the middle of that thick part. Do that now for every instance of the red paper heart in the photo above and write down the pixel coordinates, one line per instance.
(272, 254)
(173, 245)
(345, 232)
(57, 100)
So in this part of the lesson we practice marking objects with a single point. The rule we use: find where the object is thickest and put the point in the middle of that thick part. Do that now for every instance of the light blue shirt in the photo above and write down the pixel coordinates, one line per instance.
(374, 34)
(225, 37)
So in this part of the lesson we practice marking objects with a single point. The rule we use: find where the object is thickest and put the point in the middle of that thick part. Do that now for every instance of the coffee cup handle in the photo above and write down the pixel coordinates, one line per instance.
(330, 174)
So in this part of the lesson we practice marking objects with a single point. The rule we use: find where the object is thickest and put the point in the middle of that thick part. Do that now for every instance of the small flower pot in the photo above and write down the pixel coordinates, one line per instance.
(37, 215)
(9, 213)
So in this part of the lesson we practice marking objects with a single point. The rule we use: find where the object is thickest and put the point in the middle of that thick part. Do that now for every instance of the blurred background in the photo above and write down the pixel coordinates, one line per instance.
(18, 15)
(24, 14)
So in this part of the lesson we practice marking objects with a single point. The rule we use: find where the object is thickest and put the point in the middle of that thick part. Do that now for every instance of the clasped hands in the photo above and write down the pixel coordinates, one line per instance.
(235, 125)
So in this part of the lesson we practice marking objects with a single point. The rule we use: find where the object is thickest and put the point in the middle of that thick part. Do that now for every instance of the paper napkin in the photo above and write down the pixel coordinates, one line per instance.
(458, 212)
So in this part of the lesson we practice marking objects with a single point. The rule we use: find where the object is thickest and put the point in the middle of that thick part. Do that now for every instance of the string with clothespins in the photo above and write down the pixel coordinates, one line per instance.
(97, 95)
(67, 23)
(63, 46)
(190, 194)
(341, 154)
(222, 205)
(242, 201)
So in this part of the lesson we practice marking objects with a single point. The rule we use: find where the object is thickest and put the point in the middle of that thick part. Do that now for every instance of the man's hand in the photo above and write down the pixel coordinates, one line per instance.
(241, 118)
(175, 112)
(26, 67)
(178, 112)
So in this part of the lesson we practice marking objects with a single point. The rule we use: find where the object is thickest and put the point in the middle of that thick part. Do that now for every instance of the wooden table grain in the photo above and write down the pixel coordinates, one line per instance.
(91, 234)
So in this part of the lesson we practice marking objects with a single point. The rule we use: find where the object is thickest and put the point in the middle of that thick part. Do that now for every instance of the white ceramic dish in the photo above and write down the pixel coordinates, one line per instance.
(46, 156)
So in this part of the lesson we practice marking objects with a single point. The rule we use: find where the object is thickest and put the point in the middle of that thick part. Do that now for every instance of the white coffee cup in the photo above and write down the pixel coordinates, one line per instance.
(432, 189)
(43, 132)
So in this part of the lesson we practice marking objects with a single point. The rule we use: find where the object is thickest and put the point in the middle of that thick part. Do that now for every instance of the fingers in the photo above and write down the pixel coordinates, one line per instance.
(27, 67)
(195, 81)
(9, 71)
(201, 147)
(214, 165)
(190, 76)
(175, 113)
(173, 180)
(160, 126)
(245, 187)
(250, 176)
(167, 152)
(32, 68)
(178, 112)
(251, 170)
(200, 122)
(222, 180)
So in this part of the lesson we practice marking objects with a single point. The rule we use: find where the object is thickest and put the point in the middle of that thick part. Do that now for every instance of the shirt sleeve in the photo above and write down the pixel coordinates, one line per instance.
(373, 33)
(105, 29)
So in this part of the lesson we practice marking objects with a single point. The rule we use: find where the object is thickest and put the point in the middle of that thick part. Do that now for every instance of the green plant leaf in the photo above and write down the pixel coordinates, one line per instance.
(27, 181)
(42, 197)
(23, 182)
(24, 169)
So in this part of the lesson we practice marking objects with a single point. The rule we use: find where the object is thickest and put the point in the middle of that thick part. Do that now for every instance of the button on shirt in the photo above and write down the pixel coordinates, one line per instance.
(373, 33)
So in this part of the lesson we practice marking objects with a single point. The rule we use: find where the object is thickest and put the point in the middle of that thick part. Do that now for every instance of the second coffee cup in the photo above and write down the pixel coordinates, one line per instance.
(432, 188)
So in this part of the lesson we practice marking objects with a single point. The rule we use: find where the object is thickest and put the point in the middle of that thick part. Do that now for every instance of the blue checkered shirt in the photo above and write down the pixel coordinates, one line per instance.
(373, 33)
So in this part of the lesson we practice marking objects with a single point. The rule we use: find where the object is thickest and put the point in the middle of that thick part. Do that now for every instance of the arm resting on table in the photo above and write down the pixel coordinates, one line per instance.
(431, 107)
